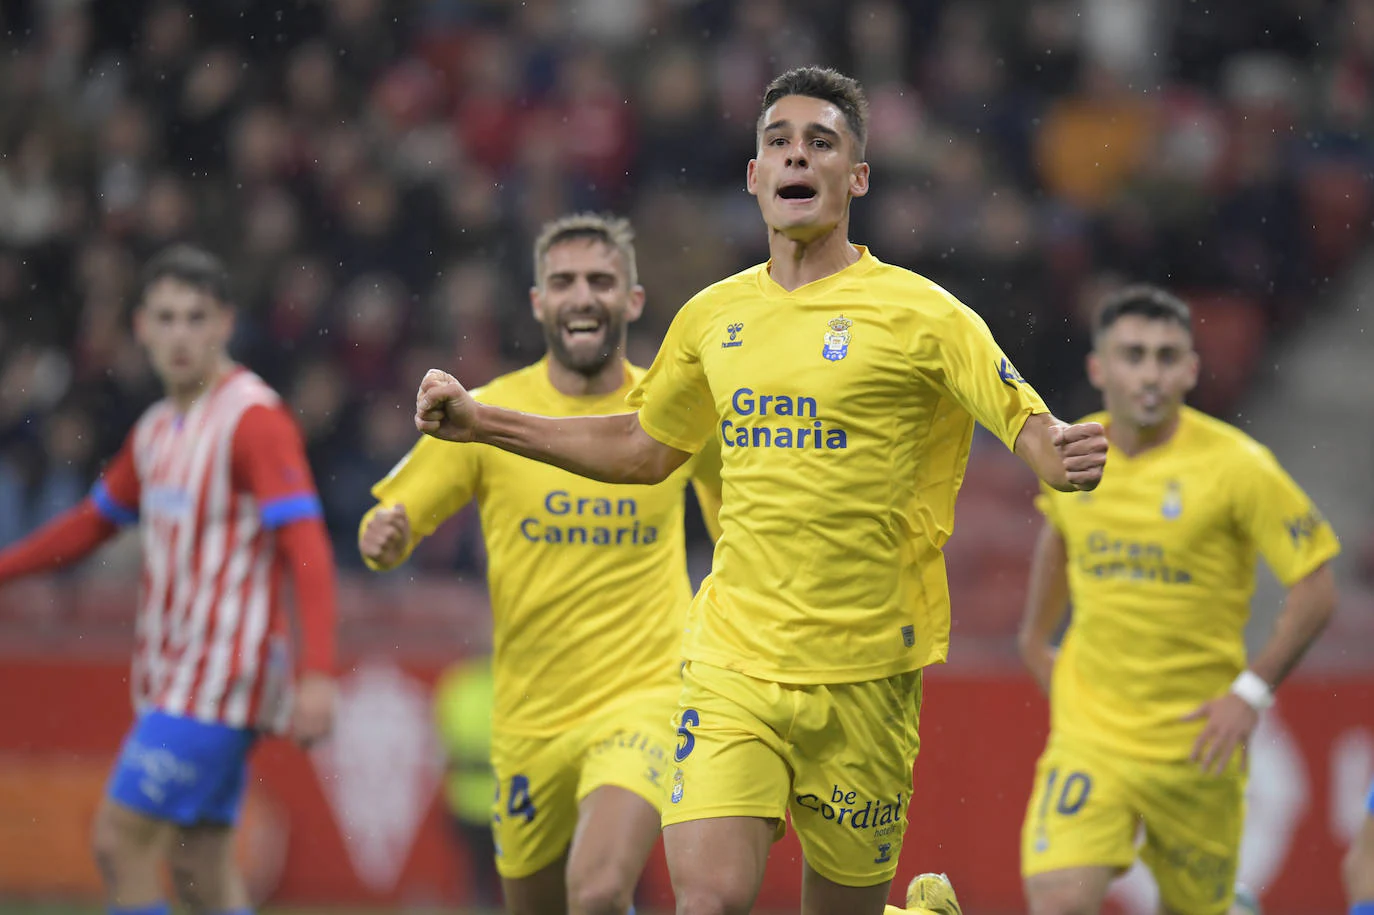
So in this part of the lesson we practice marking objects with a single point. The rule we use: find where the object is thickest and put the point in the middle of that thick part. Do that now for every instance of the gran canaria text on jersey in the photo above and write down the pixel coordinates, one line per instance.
(815, 435)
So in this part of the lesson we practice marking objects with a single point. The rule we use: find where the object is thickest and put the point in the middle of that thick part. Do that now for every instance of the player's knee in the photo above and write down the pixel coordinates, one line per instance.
(712, 901)
(116, 847)
(599, 893)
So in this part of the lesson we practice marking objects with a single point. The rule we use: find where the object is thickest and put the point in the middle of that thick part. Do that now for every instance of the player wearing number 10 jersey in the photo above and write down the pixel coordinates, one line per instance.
(1150, 694)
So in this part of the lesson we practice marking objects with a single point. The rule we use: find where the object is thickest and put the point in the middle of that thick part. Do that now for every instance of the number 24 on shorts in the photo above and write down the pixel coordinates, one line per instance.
(519, 803)
(1073, 793)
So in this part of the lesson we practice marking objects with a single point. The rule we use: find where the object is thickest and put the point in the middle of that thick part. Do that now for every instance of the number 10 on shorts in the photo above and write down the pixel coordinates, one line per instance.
(1073, 794)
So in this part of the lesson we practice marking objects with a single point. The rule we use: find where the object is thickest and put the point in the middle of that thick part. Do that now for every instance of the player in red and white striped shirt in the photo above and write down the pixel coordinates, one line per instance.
(216, 477)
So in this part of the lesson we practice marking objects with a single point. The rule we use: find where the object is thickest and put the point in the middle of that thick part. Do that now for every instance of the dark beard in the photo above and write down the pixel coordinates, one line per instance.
(588, 362)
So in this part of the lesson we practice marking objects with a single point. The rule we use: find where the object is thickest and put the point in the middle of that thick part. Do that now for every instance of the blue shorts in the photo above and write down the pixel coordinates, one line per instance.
(182, 770)
(1369, 801)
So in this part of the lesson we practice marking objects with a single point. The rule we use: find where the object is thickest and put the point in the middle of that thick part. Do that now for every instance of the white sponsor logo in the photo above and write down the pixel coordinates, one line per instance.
(380, 770)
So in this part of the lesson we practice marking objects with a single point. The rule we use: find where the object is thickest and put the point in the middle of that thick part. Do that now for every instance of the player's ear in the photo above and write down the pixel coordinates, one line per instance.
(751, 177)
(537, 303)
(1194, 366)
(141, 324)
(858, 180)
(635, 306)
(1095, 373)
(228, 318)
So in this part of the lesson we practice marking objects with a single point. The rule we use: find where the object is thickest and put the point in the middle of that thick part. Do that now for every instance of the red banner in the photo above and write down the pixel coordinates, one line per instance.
(362, 821)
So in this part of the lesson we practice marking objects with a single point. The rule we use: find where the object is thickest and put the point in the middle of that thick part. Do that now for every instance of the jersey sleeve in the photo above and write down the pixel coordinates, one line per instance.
(673, 398)
(269, 463)
(116, 494)
(433, 481)
(962, 359)
(1281, 520)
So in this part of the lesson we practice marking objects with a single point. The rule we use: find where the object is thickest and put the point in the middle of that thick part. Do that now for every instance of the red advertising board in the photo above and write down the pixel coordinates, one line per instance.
(361, 822)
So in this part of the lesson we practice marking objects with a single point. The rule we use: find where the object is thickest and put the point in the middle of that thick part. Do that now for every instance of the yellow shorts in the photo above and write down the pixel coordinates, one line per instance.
(1088, 808)
(541, 780)
(838, 758)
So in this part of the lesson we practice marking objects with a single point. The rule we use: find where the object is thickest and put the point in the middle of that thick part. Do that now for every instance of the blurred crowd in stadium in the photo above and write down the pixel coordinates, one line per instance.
(375, 172)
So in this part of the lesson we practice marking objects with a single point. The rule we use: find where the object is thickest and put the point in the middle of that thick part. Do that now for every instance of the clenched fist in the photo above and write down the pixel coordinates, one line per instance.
(1082, 448)
(386, 536)
(444, 408)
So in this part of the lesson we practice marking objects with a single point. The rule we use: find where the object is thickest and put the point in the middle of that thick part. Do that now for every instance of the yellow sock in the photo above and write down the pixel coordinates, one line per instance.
(893, 910)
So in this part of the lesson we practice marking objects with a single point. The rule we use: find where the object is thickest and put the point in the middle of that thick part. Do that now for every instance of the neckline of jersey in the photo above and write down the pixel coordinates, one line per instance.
(586, 401)
(1184, 425)
(770, 288)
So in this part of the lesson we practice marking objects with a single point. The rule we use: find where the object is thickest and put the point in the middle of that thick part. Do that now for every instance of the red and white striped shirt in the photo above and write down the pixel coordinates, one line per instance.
(210, 489)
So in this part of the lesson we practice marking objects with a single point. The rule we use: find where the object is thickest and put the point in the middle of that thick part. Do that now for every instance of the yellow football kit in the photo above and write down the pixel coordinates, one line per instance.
(589, 590)
(1161, 568)
(844, 411)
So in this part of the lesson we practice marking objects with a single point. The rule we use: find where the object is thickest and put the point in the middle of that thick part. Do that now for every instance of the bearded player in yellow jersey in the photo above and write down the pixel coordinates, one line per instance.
(843, 393)
(1150, 696)
(589, 590)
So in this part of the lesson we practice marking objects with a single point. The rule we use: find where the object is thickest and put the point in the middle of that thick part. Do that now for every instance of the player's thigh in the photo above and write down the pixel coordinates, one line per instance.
(1081, 814)
(1193, 827)
(182, 771)
(821, 896)
(537, 893)
(616, 830)
(853, 751)
(534, 813)
(717, 863)
(121, 834)
(728, 788)
(1069, 891)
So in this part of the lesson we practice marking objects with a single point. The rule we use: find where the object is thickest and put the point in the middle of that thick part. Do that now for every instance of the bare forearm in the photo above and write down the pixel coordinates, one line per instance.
(1047, 598)
(1306, 611)
(612, 449)
(1035, 446)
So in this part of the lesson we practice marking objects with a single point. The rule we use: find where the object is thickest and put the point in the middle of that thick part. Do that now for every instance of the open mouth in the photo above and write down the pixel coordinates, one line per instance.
(583, 328)
(796, 191)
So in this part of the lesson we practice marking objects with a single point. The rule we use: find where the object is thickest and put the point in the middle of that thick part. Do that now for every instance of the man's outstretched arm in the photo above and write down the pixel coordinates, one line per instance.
(612, 449)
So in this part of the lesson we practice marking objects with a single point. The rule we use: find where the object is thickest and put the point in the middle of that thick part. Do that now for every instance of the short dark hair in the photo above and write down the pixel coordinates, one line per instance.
(188, 264)
(828, 85)
(612, 231)
(1149, 302)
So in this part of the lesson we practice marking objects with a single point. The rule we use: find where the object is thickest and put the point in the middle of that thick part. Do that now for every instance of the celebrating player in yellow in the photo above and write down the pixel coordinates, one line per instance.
(843, 392)
(589, 592)
(1151, 700)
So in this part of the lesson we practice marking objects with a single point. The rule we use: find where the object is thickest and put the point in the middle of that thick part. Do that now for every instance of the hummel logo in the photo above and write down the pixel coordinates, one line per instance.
(734, 331)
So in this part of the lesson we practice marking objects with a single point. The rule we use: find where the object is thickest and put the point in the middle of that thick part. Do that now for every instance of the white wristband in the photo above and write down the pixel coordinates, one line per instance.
(1251, 687)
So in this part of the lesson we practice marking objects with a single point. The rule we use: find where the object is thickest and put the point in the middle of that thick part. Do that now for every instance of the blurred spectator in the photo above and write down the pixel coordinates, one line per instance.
(462, 712)
(374, 172)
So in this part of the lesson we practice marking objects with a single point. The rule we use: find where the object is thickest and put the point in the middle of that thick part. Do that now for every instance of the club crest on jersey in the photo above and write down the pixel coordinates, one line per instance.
(677, 787)
(1173, 501)
(733, 331)
(837, 339)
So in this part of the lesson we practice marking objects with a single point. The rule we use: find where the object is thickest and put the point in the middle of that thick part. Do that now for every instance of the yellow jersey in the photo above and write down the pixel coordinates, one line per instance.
(1161, 568)
(844, 411)
(588, 580)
